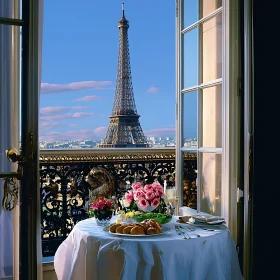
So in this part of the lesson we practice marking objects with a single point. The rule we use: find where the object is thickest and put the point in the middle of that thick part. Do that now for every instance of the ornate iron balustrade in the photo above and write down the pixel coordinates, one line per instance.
(69, 177)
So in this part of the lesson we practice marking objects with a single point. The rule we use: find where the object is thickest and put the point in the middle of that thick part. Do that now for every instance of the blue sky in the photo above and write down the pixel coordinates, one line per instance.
(79, 66)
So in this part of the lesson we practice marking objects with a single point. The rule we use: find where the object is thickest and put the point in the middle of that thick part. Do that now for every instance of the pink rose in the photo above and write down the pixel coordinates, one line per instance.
(157, 186)
(129, 196)
(150, 195)
(155, 202)
(159, 192)
(139, 194)
(148, 187)
(143, 203)
(94, 207)
(108, 204)
(137, 185)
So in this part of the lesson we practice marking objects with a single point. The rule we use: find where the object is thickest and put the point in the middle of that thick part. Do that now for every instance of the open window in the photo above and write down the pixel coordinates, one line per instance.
(208, 72)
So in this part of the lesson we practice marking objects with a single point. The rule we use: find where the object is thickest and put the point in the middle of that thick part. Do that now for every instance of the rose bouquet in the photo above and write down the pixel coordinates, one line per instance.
(145, 202)
(146, 198)
(102, 209)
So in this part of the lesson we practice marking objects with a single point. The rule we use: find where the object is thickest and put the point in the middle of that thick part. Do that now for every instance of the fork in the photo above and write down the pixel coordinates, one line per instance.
(185, 235)
(191, 230)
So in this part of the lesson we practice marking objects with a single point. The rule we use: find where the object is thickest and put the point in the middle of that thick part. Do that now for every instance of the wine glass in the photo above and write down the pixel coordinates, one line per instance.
(171, 195)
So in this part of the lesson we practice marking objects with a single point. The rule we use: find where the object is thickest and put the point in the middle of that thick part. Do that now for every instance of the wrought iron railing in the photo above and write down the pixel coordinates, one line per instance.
(68, 179)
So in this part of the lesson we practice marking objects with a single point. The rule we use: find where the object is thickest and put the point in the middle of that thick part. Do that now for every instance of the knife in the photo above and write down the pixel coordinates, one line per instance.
(180, 232)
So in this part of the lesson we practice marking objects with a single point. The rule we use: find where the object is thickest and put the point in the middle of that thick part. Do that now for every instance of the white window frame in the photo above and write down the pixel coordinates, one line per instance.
(230, 108)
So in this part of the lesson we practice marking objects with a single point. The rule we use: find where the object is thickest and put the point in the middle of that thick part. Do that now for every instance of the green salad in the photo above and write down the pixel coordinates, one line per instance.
(161, 218)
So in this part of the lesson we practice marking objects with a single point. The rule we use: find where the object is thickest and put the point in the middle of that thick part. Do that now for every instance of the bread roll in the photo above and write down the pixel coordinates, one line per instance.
(137, 230)
(148, 226)
(120, 229)
(113, 228)
(151, 230)
(156, 224)
(127, 229)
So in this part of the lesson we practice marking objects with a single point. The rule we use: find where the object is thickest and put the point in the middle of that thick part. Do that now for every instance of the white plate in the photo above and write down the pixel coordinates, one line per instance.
(217, 222)
(163, 228)
(213, 223)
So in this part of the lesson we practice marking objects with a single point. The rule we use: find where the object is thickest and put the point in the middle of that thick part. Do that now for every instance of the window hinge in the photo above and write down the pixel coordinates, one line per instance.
(176, 8)
(239, 194)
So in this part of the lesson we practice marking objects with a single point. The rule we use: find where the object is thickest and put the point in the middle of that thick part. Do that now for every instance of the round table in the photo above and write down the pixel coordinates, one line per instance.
(90, 253)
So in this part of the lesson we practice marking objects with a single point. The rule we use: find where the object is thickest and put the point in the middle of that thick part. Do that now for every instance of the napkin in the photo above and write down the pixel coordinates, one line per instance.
(206, 218)
(201, 218)
(184, 219)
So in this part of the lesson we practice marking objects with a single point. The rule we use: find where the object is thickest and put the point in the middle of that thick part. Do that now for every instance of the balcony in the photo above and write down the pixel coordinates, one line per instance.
(70, 178)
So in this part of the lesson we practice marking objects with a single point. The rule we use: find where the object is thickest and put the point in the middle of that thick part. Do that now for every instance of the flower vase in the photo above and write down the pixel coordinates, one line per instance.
(149, 208)
(103, 218)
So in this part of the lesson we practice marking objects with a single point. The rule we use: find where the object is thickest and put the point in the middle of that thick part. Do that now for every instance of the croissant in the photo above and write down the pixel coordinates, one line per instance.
(151, 230)
(156, 224)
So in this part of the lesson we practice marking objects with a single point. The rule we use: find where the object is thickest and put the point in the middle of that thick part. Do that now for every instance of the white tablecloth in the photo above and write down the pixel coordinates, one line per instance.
(90, 253)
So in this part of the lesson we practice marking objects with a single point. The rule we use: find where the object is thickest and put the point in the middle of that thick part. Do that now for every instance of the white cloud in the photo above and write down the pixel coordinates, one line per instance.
(78, 135)
(160, 132)
(48, 125)
(97, 133)
(93, 85)
(51, 110)
(152, 90)
(82, 115)
(101, 131)
(89, 98)
(66, 116)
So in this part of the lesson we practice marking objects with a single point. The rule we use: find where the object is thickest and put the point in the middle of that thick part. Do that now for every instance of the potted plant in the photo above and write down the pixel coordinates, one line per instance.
(102, 210)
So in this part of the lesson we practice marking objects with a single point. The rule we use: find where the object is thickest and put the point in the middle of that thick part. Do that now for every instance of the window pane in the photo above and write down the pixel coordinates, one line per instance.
(209, 6)
(10, 10)
(190, 119)
(190, 12)
(210, 195)
(10, 70)
(212, 49)
(212, 117)
(190, 58)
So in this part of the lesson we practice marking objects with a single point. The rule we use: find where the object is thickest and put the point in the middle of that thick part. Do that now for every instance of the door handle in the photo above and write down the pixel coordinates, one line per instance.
(13, 155)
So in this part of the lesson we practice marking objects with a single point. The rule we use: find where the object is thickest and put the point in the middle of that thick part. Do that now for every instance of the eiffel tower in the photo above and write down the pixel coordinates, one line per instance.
(124, 130)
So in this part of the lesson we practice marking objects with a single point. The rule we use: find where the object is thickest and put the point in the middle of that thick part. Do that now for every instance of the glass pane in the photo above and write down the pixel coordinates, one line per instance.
(212, 49)
(190, 119)
(9, 134)
(10, 9)
(209, 6)
(190, 12)
(190, 58)
(212, 117)
(210, 194)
